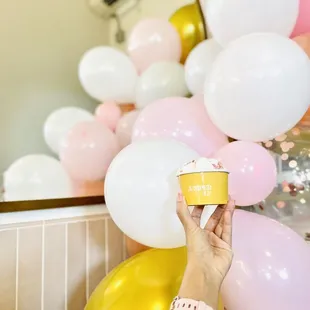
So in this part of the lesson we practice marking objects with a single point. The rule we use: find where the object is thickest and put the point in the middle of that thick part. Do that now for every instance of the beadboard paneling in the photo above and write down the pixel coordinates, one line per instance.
(55, 265)
(8, 259)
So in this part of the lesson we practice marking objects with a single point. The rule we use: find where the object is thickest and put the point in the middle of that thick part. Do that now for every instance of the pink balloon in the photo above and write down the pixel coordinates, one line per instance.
(182, 119)
(88, 150)
(270, 268)
(125, 126)
(109, 114)
(253, 171)
(153, 40)
(303, 20)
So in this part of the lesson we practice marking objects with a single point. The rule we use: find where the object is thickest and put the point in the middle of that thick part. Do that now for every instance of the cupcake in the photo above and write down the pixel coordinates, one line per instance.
(204, 182)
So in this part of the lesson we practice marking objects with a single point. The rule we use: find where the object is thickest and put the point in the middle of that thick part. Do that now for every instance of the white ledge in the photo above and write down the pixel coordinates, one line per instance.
(51, 214)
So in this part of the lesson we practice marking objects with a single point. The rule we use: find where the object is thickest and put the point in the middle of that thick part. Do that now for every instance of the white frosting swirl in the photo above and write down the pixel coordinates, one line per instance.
(202, 165)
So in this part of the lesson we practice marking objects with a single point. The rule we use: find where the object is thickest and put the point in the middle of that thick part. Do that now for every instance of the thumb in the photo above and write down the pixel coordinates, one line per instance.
(183, 212)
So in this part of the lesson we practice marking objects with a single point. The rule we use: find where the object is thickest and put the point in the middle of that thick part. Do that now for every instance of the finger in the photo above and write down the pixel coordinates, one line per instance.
(183, 212)
(230, 205)
(227, 222)
(219, 228)
(196, 214)
(215, 218)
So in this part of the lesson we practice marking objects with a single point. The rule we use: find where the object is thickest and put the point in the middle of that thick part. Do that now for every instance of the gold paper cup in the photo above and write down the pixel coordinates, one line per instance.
(204, 188)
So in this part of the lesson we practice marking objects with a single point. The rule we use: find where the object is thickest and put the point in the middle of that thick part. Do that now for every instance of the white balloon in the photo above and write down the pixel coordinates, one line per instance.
(231, 19)
(259, 87)
(60, 122)
(36, 177)
(160, 80)
(108, 74)
(141, 189)
(198, 64)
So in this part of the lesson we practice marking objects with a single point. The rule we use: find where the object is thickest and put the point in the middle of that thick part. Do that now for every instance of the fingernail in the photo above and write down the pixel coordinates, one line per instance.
(180, 197)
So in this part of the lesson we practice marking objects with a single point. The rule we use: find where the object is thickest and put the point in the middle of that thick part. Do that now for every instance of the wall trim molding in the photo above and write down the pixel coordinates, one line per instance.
(52, 214)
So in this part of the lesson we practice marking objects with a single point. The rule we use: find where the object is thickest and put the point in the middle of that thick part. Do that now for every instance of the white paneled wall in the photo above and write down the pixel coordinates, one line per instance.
(56, 264)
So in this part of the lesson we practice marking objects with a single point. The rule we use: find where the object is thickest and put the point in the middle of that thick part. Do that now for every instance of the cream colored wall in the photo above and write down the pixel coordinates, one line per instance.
(146, 8)
(41, 43)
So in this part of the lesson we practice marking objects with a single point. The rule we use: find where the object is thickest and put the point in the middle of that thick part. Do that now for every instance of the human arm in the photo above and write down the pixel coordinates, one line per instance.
(209, 251)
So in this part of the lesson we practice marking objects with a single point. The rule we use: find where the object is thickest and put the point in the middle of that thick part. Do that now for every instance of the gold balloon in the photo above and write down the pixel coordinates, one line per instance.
(189, 24)
(147, 281)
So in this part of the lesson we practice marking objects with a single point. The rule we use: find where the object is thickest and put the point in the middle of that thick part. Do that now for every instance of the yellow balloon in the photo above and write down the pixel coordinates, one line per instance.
(189, 24)
(147, 281)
